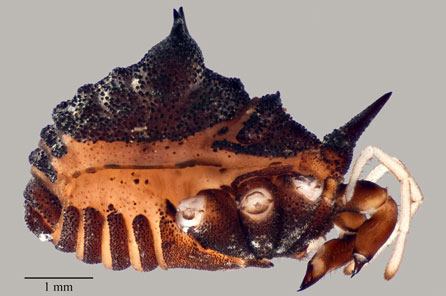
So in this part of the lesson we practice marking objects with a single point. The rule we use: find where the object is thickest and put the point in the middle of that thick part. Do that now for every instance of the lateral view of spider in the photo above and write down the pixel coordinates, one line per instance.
(167, 163)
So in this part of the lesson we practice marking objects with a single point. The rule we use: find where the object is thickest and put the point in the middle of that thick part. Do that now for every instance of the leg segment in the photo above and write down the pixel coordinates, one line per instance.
(332, 255)
(411, 198)
(360, 238)
(373, 233)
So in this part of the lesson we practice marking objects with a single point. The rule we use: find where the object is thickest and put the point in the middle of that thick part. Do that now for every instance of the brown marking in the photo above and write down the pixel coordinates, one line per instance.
(93, 222)
(367, 196)
(192, 162)
(112, 166)
(266, 172)
(43, 202)
(68, 236)
(375, 231)
(144, 239)
(118, 241)
(223, 131)
(349, 221)
(90, 170)
(35, 222)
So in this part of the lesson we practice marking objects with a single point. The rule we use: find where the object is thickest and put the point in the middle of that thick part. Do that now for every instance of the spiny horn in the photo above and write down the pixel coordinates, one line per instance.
(179, 22)
(343, 140)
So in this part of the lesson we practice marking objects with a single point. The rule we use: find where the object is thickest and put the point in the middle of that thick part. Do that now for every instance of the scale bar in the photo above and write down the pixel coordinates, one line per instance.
(58, 277)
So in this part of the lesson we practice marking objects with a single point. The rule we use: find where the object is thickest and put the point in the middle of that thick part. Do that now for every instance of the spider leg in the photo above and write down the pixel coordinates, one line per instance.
(360, 237)
(411, 199)
(377, 173)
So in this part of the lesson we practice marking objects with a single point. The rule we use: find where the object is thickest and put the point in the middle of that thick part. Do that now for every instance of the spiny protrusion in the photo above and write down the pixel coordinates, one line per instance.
(179, 20)
(343, 139)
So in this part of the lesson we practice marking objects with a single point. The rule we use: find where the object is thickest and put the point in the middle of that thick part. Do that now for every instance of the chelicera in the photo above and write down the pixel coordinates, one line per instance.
(167, 163)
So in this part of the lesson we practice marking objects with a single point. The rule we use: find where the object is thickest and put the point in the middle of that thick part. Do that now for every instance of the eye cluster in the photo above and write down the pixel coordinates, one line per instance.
(259, 217)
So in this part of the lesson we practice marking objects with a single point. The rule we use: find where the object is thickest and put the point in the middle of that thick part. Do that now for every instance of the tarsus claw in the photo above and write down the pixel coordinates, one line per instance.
(360, 261)
(311, 276)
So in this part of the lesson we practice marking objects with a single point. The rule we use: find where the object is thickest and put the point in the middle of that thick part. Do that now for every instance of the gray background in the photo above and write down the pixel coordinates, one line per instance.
(329, 59)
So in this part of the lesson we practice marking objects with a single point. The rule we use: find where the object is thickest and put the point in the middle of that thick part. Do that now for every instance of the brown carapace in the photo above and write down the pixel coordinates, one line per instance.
(167, 163)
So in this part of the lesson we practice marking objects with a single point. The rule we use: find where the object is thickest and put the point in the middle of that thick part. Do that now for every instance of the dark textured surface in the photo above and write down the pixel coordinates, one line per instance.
(70, 227)
(93, 222)
(52, 139)
(221, 228)
(180, 251)
(144, 240)
(343, 140)
(296, 215)
(269, 131)
(169, 94)
(40, 160)
(43, 201)
(118, 241)
(35, 222)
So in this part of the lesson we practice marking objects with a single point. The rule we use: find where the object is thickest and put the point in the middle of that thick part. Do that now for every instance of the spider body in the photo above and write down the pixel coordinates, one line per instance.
(166, 163)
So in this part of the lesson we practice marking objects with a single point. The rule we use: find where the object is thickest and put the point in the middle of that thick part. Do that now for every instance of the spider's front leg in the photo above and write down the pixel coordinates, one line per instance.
(360, 238)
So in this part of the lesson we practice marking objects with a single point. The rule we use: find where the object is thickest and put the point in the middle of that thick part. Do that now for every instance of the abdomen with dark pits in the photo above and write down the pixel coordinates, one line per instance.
(126, 216)
(117, 217)
(91, 232)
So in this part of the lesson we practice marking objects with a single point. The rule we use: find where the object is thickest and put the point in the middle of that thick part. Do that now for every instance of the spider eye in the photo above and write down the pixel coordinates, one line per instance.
(190, 212)
(308, 187)
(257, 204)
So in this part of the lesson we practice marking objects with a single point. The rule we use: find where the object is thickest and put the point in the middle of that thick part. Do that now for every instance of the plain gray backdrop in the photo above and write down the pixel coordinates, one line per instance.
(329, 60)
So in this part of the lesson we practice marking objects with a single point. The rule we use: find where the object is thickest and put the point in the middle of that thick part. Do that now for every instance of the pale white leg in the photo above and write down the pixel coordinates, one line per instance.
(411, 198)
(377, 173)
